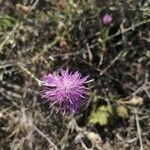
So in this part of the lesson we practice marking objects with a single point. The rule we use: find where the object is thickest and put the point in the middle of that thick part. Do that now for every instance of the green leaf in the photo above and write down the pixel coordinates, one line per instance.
(101, 115)
(122, 112)
(7, 21)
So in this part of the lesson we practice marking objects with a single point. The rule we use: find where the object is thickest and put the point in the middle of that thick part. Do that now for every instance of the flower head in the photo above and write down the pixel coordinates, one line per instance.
(107, 19)
(64, 90)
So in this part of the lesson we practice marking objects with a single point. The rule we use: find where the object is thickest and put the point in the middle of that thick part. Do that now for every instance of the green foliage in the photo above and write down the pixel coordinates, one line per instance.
(122, 112)
(104, 114)
(6, 22)
(101, 115)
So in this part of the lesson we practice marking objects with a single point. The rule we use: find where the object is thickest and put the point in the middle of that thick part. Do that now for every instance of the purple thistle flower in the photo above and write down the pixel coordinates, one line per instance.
(64, 90)
(107, 19)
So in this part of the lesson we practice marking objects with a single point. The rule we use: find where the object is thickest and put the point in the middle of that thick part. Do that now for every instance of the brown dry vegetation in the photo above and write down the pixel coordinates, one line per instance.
(40, 36)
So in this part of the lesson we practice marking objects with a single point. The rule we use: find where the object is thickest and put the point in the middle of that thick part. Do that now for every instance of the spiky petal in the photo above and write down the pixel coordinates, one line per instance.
(64, 90)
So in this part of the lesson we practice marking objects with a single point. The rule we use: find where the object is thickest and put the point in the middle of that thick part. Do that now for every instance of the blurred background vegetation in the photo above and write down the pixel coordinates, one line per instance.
(40, 36)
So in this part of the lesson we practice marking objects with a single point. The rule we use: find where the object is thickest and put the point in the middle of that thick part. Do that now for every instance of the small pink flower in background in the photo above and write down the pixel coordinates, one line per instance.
(65, 90)
(107, 19)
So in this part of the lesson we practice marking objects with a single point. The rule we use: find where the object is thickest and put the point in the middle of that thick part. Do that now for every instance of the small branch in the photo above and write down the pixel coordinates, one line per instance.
(112, 63)
(7, 38)
(130, 28)
(44, 136)
(45, 49)
(138, 130)
(34, 5)
(9, 35)
(29, 73)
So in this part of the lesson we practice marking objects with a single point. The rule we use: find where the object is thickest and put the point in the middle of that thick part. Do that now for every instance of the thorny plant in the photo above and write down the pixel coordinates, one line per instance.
(37, 37)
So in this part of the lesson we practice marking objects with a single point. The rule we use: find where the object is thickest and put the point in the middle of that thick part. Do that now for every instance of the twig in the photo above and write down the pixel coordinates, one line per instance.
(138, 130)
(146, 91)
(130, 28)
(7, 64)
(45, 49)
(9, 35)
(34, 5)
(99, 70)
(43, 135)
(15, 28)
(112, 63)
(29, 73)
(18, 145)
